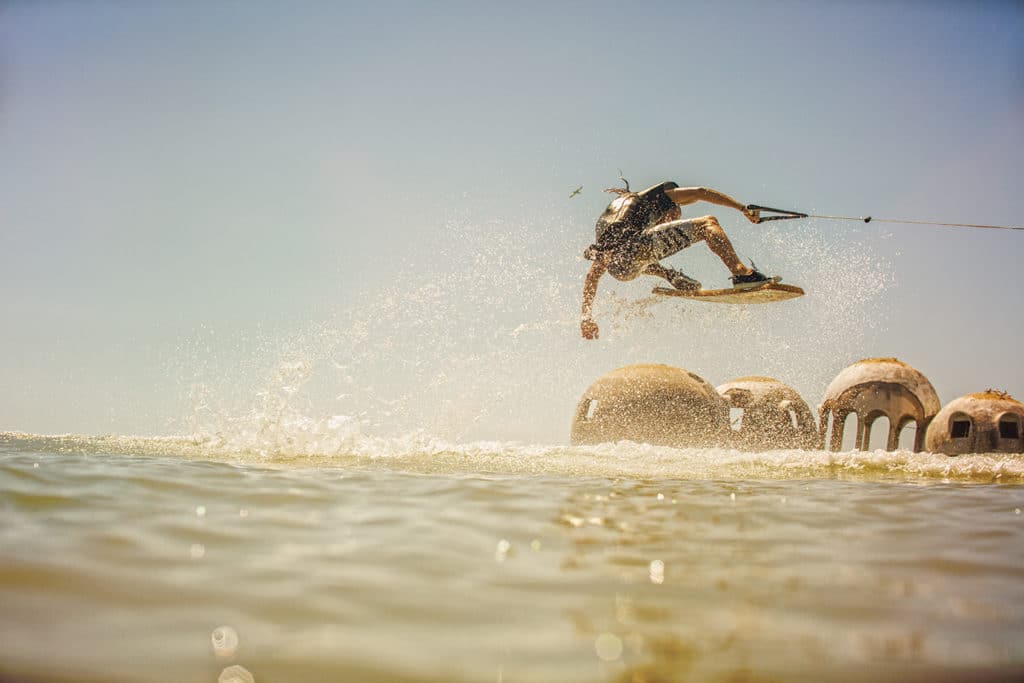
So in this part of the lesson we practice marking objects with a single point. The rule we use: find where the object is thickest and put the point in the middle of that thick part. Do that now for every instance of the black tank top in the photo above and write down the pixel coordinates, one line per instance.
(629, 215)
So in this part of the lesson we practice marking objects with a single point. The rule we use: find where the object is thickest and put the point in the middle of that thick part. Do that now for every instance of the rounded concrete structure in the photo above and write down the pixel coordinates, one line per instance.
(873, 388)
(655, 404)
(987, 422)
(773, 414)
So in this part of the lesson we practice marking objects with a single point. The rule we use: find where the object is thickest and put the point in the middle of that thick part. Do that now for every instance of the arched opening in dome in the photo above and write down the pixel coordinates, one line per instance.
(906, 440)
(736, 419)
(1009, 426)
(850, 426)
(960, 426)
(877, 436)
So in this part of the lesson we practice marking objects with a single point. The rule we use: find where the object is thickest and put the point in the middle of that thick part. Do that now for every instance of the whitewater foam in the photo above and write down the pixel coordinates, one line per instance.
(337, 444)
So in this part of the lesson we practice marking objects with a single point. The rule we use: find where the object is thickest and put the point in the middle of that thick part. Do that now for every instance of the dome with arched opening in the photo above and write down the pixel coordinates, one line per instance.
(985, 422)
(873, 388)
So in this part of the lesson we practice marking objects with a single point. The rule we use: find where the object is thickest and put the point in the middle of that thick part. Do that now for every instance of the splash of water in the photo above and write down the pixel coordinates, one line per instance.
(481, 341)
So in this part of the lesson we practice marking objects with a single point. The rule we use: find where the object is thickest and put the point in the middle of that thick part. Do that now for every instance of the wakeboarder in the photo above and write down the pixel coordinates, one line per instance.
(639, 229)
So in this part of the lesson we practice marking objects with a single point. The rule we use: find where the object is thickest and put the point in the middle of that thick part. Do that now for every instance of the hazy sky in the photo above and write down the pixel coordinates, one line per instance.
(195, 195)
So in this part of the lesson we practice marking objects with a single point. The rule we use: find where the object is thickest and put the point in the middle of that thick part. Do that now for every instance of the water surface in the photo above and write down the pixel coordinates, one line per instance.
(416, 561)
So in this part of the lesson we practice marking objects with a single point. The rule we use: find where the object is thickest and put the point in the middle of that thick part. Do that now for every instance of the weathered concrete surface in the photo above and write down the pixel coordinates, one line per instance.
(872, 388)
(989, 422)
(774, 415)
(664, 405)
(656, 404)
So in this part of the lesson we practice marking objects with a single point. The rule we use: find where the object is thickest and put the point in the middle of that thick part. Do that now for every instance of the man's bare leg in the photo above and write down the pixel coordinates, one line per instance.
(711, 232)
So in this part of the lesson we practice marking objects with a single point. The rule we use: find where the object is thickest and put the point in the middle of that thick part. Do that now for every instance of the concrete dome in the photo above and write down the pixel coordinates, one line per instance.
(887, 370)
(873, 388)
(655, 404)
(987, 422)
(774, 415)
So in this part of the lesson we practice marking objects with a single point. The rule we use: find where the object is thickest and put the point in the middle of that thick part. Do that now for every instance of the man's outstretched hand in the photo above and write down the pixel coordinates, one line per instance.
(588, 328)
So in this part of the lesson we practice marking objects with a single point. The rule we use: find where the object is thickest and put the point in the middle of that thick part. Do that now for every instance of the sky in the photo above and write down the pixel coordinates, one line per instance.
(213, 213)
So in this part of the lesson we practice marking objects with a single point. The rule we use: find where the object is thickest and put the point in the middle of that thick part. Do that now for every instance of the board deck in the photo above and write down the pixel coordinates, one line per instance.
(765, 294)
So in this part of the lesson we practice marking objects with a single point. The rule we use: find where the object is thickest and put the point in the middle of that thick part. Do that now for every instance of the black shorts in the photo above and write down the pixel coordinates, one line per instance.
(652, 245)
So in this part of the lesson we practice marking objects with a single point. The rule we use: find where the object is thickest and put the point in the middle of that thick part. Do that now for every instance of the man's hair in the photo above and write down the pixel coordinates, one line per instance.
(622, 191)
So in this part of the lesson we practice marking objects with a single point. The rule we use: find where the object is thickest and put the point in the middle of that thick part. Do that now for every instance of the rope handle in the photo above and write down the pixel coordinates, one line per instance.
(783, 213)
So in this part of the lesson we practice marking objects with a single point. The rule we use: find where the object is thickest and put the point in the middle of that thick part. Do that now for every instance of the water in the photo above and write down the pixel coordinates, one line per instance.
(386, 495)
(503, 562)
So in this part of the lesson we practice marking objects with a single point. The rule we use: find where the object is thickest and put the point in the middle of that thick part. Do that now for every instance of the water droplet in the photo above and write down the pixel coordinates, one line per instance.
(1017, 511)
(200, 511)
(657, 572)
(661, 496)
(501, 552)
(243, 513)
(732, 496)
(535, 544)
(608, 647)
(198, 551)
(235, 674)
(225, 642)
(35, 465)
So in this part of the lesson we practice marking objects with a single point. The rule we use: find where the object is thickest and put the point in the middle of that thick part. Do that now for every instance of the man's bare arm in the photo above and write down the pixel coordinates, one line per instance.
(690, 195)
(587, 325)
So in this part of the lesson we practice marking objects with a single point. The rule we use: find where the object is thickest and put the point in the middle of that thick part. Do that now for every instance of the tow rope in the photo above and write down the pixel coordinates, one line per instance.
(783, 214)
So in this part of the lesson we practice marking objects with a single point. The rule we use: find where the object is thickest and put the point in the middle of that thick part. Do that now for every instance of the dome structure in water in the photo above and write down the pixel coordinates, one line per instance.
(768, 414)
(656, 404)
(873, 388)
(985, 422)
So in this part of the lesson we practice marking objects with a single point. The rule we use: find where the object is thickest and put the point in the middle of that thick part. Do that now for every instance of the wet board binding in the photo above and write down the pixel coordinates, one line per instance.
(767, 293)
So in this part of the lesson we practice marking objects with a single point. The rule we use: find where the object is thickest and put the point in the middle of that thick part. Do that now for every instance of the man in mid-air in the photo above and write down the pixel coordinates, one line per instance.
(639, 229)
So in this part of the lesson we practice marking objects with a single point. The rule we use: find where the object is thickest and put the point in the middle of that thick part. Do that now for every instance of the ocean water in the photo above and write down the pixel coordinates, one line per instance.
(418, 560)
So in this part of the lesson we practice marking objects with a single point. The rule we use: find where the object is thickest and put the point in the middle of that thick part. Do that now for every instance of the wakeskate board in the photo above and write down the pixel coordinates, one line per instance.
(770, 292)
